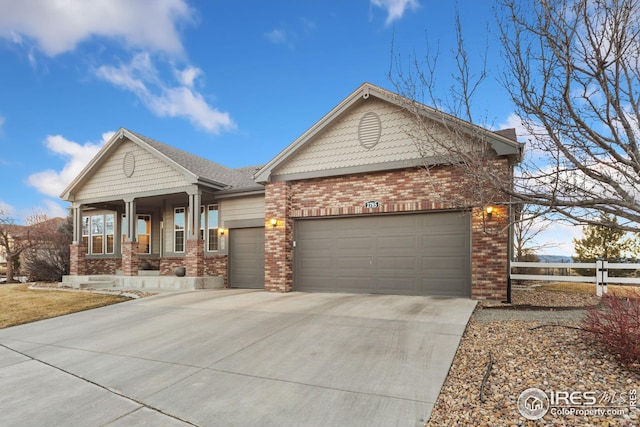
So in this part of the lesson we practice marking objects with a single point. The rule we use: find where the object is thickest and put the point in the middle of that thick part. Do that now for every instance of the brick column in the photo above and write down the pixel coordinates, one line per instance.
(130, 260)
(78, 261)
(278, 247)
(489, 259)
(194, 257)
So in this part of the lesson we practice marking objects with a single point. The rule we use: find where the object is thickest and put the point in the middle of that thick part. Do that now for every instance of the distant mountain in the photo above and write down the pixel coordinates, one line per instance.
(555, 258)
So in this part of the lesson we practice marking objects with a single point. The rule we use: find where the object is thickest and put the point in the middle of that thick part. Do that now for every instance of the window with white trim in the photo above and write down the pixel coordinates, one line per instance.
(143, 232)
(212, 228)
(208, 228)
(85, 233)
(178, 229)
(98, 233)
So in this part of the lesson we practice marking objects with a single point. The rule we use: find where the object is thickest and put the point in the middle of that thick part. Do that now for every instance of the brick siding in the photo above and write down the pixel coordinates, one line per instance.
(406, 190)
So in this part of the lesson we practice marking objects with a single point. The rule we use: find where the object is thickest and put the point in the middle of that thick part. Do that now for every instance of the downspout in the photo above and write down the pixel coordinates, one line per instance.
(509, 250)
(510, 237)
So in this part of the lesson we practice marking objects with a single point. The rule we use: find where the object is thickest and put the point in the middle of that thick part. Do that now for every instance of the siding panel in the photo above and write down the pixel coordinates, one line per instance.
(242, 208)
(149, 174)
(339, 146)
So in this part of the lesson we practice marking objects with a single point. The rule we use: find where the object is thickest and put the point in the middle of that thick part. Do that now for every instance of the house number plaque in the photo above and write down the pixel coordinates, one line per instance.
(372, 204)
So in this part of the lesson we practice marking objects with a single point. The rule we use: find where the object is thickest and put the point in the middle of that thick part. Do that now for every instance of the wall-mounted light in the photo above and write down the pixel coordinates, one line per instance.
(221, 231)
(274, 222)
(489, 210)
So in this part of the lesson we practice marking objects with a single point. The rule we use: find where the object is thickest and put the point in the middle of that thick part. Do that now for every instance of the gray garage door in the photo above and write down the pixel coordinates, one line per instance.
(410, 254)
(246, 258)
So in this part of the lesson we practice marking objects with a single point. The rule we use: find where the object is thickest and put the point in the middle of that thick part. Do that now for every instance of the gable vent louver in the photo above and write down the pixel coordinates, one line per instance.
(369, 130)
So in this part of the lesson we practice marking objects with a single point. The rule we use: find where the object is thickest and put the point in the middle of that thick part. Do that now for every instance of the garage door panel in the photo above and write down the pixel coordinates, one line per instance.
(414, 254)
(397, 264)
(356, 284)
(351, 264)
(397, 286)
(353, 243)
(320, 263)
(404, 242)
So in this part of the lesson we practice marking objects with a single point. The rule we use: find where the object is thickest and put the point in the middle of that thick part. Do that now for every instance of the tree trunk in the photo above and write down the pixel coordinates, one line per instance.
(9, 268)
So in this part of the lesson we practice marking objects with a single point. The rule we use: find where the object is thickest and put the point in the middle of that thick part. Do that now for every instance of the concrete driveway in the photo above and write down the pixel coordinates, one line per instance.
(234, 358)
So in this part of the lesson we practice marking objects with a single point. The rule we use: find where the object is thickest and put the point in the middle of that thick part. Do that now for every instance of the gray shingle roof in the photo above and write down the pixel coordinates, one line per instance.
(234, 179)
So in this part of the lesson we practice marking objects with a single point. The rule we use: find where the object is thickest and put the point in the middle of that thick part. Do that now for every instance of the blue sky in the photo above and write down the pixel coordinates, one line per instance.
(232, 81)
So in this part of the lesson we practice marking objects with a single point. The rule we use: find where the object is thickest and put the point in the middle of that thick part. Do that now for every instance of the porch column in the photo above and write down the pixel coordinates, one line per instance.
(78, 251)
(194, 247)
(130, 261)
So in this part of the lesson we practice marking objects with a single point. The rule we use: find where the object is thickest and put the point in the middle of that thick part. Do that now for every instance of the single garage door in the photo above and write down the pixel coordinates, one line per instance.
(246, 258)
(408, 254)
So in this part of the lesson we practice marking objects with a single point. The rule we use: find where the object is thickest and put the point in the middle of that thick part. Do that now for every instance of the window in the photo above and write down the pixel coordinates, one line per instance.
(212, 228)
(143, 228)
(178, 230)
(85, 233)
(97, 233)
(143, 232)
(208, 231)
(202, 223)
(109, 232)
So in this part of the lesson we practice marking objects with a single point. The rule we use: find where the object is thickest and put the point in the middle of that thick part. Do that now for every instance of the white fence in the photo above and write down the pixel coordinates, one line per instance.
(601, 278)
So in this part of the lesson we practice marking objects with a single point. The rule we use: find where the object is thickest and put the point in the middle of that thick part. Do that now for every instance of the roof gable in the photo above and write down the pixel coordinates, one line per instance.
(350, 130)
(131, 163)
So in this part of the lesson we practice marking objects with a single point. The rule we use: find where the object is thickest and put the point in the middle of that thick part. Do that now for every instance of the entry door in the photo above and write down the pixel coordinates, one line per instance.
(246, 258)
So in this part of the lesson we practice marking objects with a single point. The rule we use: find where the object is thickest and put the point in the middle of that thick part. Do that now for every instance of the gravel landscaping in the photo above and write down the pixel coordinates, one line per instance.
(531, 346)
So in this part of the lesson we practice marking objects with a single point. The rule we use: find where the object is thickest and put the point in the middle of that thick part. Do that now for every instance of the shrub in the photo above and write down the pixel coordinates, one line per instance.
(615, 324)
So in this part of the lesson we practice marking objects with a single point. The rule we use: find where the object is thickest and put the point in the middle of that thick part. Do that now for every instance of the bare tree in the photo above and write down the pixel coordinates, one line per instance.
(573, 73)
(13, 241)
(440, 129)
(527, 227)
(47, 257)
(572, 70)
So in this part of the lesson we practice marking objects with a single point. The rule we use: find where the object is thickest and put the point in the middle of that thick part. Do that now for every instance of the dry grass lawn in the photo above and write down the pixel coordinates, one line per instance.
(19, 305)
(590, 288)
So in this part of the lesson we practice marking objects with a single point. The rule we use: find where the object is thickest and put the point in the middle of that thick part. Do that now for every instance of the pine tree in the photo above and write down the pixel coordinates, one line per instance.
(599, 241)
(604, 242)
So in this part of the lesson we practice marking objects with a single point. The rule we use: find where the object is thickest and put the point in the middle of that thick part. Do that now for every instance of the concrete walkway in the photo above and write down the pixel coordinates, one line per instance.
(234, 358)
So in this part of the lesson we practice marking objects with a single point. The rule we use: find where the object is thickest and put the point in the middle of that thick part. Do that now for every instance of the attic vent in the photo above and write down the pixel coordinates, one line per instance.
(129, 164)
(369, 130)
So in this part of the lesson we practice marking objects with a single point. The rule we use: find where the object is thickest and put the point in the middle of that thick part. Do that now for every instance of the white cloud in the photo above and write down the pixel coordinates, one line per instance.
(59, 26)
(558, 238)
(188, 76)
(277, 36)
(142, 78)
(52, 182)
(395, 8)
(6, 208)
(51, 209)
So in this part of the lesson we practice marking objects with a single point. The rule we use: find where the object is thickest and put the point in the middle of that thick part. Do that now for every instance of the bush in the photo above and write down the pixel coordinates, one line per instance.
(615, 324)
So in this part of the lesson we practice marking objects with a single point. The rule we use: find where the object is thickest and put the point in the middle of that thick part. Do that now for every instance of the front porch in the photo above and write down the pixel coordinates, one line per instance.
(151, 272)
(146, 279)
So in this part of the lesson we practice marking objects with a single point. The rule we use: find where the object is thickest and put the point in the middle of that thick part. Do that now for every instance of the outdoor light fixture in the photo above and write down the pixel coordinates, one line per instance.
(221, 231)
(274, 222)
(489, 210)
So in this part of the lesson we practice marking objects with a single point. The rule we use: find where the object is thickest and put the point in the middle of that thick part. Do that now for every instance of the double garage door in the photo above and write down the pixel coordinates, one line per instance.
(410, 254)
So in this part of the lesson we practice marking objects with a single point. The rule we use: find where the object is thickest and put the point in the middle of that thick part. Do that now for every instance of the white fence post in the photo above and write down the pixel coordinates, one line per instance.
(599, 277)
(605, 275)
(602, 276)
